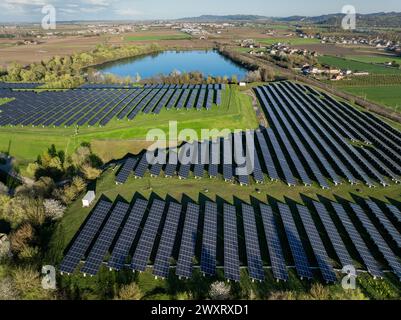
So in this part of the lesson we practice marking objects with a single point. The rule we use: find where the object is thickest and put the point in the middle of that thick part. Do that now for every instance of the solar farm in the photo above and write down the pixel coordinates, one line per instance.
(165, 235)
(97, 105)
(312, 141)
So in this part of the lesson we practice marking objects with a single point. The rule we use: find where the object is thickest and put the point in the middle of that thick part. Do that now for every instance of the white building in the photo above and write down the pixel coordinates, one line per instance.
(88, 199)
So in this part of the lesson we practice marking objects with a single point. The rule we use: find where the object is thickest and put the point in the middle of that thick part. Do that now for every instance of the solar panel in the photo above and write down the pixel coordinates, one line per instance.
(231, 257)
(255, 263)
(316, 242)
(289, 177)
(227, 159)
(126, 170)
(171, 166)
(294, 240)
(202, 157)
(239, 156)
(149, 232)
(188, 241)
(163, 256)
(386, 223)
(209, 239)
(141, 167)
(369, 261)
(267, 157)
(381, 244)
(127, 235)
(273, 243)
(333, 234)
(214, 160)
(105, 239)
(85, 237)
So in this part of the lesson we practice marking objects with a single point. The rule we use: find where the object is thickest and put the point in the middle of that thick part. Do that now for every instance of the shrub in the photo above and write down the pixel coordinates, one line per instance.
(53, 209)
(90, 173)
(219, 291)
(7, 289)
(129, 292)
(21, 237)
(282, 295)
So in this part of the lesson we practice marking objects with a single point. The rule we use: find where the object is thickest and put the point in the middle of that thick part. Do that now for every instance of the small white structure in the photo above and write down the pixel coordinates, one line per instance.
(88, 199)
(242, 84)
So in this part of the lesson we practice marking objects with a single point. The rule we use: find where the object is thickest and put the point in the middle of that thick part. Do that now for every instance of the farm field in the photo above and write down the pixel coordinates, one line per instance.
(26, 143)
(157, 37)
(389, 96)
(374, 58)
(291, 41)
(342, 63)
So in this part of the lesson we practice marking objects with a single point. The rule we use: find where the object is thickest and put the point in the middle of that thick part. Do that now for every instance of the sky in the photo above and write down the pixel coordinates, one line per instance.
(30, 10)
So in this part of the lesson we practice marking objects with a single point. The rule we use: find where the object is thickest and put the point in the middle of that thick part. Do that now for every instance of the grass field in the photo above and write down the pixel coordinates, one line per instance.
(342, 63)
(291, 41)
(389, 96)
(236, 112)
(375, 59)
(5, 100)
(158, 37)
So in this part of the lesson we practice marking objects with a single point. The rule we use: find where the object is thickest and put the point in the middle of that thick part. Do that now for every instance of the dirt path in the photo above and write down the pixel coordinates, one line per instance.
(259, 112)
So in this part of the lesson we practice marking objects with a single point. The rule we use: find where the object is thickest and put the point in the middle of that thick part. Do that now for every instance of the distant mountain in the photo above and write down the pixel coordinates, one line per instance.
(215, 18)
(380, 19)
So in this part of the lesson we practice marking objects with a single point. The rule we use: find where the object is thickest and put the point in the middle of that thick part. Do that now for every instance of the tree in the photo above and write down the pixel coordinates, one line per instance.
(90, 173)
(7, 289)
(219, 291)
(53, 209)
(21, 237)
(3, 189)
(129, 292)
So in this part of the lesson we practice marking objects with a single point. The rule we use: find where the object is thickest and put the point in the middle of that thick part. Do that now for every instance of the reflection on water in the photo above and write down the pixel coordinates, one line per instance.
(208, 62)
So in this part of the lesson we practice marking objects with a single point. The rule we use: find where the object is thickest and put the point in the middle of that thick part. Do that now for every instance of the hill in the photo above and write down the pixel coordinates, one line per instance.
(214, 18)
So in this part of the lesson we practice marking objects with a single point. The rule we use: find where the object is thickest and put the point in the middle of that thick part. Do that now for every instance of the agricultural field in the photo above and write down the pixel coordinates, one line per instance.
(389, 96)
(376, 59)
(353, 65)
(157, 37)
(291, 41)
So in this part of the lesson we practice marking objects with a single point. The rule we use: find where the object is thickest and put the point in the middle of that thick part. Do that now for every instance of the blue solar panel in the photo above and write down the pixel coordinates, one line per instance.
(188, 241)
(163, 256)
(145, 244)
(294, 240)
(126, 170)
(209, 239)
(85, 237)
(127, 235)
(273, 243)
(105, 239)
(231, 256)
(254, 259)
(318, 248)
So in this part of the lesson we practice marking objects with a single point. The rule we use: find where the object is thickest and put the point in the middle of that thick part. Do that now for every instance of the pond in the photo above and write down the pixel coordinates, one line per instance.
(208, 62)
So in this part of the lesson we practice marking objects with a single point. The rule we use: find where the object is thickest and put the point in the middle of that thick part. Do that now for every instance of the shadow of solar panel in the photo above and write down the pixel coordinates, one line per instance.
(85, 237)
(149, 232)
(188, 241)
(294, 240)
(318, 248)
(126, 170)
(105, 239)
(163, 256)
(254, 259)
(127, 235)
(394, 211)
(385, 222)
(273, 243)
(335, 238)
(209, 239)
(370, 263)
(381, 244)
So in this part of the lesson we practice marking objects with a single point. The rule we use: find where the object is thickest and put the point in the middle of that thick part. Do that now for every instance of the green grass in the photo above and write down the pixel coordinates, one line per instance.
(291, 41)
(158, 37)
(389, 96)
(236, 112)
(5, 100)
(342, 63)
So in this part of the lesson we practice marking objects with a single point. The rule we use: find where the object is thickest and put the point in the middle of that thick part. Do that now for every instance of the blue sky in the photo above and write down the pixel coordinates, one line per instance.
(30, 10)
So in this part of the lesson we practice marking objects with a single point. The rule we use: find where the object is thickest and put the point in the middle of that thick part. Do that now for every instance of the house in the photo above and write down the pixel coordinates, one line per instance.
(88, 199)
